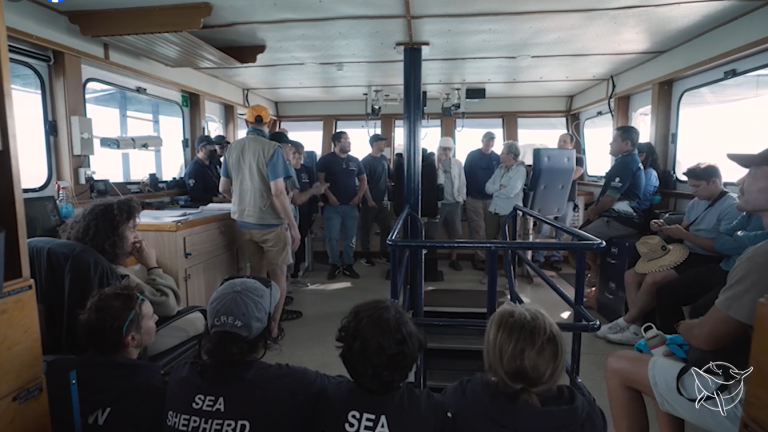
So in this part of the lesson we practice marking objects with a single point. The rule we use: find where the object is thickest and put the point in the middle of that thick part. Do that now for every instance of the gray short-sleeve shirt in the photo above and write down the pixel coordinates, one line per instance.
(746, 285)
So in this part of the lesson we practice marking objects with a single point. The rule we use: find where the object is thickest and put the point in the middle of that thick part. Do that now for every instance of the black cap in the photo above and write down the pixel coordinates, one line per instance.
(376, 138)
(204, 140)
(279, 138)
(750, 160)
(221, 140)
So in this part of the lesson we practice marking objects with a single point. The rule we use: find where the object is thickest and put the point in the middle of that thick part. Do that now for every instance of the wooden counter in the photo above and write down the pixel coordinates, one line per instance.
(198, 252)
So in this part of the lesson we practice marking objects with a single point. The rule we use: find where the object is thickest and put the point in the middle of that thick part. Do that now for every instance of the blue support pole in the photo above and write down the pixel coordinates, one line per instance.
(578, 299)
(412, 111)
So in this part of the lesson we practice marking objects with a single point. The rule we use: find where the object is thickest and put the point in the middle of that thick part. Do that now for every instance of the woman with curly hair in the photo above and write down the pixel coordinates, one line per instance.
(109, 228)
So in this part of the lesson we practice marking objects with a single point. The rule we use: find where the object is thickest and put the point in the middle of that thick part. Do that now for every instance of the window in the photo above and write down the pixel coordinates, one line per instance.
(545, 131)
(359, 133)
(30, 117)
(641, 119)
(597, 137)
(309, 133)
(214, 119)
(120, 112)
(469, 135)
(430, 135)
(722, 117)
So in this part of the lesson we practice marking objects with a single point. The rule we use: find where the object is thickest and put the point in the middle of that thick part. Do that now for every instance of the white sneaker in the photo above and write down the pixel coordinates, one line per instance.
(630, 336)
(299, 282)
(615, 327)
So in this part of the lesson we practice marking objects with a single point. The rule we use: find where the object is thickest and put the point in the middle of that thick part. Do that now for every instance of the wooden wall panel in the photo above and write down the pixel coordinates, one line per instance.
(510, 128)
(68, 101)
(329, 127)
(21, 349)
(12, 215)
(230, 122)
(196, 122)
(621, 111)
(661, 116)
(448, 127)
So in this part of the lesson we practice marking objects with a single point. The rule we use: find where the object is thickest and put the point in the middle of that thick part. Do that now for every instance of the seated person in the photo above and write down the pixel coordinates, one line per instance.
(724, 329)
(712, 211)
(617, 213)
(524, 361)
(379, 347)
(109, 228)
(117, 392)
(202, 176)
(650, 160)
(506, 186)
(231, 388)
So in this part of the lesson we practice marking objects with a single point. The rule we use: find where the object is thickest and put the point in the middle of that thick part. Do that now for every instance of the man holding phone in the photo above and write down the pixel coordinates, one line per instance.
(712, 211)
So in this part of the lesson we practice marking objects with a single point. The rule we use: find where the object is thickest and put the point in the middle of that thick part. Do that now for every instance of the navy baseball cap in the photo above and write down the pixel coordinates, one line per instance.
(750, 160)
(204, 140)
(279, 138)
(220, 140)
(376, 138)
(242, 306)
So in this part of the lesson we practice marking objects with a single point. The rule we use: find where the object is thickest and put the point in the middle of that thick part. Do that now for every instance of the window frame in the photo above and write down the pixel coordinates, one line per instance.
(46, 125)
(677, 113)
(584, 146)
(185, 141)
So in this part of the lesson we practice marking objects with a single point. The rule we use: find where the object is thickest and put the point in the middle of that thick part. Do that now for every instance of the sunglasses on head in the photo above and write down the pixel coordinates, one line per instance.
(133, 313)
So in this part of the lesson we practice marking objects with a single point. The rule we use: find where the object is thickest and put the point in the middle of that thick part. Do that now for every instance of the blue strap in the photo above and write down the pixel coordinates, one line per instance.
(75, 401)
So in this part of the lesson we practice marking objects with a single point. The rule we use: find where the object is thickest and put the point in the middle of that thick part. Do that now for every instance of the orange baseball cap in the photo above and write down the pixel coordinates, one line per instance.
(257, 111)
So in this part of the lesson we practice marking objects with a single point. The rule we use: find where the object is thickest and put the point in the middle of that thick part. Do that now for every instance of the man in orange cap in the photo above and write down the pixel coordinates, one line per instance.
(254, 175)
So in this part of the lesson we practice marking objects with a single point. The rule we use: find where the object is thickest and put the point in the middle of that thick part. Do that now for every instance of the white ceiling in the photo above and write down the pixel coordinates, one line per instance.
(572, 45)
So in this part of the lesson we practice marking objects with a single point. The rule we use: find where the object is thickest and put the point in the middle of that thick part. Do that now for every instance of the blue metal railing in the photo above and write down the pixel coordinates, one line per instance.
(413, 299)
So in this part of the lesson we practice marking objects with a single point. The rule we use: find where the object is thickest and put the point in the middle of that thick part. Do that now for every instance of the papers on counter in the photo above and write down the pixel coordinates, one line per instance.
(219, 207)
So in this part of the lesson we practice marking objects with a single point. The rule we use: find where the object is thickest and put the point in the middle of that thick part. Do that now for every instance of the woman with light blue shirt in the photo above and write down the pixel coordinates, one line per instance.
(506, 185)
(650, 160)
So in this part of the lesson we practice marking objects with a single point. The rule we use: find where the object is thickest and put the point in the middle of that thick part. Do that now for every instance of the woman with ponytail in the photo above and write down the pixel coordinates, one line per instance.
(524, 362)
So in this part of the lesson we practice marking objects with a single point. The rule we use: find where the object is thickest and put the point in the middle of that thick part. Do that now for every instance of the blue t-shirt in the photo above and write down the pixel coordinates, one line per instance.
(277, 168)
(342, 174)
(202, 182)
(625, 181)
(478, 169)
(651, 185)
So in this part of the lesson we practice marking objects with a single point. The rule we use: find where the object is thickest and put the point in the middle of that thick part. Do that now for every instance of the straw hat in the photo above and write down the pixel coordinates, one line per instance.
(656, 255)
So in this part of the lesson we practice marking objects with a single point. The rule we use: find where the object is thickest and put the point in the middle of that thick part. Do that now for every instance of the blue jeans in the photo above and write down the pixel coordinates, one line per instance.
(557, 256)
(340, 224)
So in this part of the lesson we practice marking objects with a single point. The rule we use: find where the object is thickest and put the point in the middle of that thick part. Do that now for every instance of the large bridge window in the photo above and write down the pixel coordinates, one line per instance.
(538, 133)
(120, 112)
(359, 133)
(214, 119)
(469, 135)
(430, 135)
(29, 110)
(641, 119)
(723, 117)
(597, 137)
(309, 133)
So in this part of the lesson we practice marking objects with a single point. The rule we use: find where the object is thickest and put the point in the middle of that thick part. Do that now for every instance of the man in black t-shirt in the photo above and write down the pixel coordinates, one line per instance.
(346, 180)
(566, 141)
(375, 206)
(379, 346)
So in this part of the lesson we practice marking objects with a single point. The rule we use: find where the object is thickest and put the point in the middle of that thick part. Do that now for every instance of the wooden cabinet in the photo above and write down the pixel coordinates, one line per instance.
(197, 253)
(204, 278)
(20, 343)
(26, 409)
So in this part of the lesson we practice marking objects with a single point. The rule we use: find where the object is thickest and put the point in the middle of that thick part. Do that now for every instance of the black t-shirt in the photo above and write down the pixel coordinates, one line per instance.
(574, 184)
(306, 177)
(119, 394)
(378, 171)
(257, 396)
(346, 407)
(202, 182)
(341, 173)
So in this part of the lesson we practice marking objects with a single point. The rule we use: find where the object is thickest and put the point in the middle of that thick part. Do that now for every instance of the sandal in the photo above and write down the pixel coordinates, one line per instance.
(288, 301)
(290, 315)
(280, 335)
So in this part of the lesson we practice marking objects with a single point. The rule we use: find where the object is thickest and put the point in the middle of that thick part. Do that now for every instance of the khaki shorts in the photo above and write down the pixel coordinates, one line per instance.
(606, 228)
(271, 247)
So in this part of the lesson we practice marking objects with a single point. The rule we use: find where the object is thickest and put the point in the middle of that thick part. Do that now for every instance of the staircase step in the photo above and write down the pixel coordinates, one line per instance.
(439, 380)
(460, 298)
(455, 342)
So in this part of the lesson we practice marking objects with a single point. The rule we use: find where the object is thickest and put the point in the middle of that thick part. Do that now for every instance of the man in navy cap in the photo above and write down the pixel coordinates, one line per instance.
(201, 177)
(222, 144)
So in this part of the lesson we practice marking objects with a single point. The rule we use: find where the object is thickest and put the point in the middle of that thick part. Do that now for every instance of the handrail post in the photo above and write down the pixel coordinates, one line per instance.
(581, 267)
(491, 286)
(394, 280)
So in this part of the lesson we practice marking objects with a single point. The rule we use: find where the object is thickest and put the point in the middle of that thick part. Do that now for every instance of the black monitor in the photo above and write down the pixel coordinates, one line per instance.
(43, 217)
